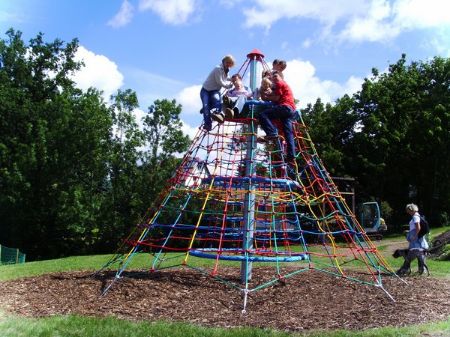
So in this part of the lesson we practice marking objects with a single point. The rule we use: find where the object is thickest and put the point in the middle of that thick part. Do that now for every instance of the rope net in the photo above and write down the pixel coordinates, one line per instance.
(235, 202)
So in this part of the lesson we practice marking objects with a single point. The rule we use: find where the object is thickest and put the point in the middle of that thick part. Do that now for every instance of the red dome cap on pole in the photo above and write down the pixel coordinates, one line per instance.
(255, 53)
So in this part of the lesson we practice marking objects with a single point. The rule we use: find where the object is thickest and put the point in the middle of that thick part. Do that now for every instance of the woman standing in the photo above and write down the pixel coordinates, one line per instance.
(417, 245)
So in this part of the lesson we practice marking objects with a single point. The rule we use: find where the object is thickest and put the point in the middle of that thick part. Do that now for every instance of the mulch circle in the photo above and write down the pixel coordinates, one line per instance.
(310, 300)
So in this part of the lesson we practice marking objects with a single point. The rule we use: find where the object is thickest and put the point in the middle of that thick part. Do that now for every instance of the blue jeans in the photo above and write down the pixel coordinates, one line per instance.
(286, 115)
(210, 100)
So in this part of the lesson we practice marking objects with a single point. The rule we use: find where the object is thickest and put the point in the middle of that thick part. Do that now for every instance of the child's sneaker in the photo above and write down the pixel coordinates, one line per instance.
(217, 116)
(229, 113)
(207, 127)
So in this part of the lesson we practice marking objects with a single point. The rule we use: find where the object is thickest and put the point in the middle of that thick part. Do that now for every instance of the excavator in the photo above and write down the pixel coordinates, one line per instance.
(371, 220)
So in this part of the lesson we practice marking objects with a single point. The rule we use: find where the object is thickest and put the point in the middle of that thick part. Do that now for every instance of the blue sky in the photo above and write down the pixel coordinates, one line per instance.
(166, 48)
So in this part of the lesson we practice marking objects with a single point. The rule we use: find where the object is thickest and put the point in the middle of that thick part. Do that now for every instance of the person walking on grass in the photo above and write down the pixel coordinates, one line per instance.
(417, 244)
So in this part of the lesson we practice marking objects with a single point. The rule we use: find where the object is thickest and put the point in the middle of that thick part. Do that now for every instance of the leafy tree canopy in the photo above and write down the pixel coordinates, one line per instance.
(393, 136)
(74, 170)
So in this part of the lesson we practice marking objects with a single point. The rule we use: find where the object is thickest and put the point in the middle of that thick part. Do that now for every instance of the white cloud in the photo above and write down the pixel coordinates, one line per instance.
(374, 26)
(266, 12)
(99, 72)
(191, 131)
(422, 13)
(362, 20)
(123, 17)
(189, 98)
(352, 85)
(307, 87)
(139, 114)
(386, 20)
(171, 11)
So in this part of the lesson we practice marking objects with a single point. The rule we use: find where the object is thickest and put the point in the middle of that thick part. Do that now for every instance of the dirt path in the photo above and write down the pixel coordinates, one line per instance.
(391, 246)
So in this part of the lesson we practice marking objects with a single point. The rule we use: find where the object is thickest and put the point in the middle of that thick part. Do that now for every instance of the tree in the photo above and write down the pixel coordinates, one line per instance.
(164, 139)
(76, 173)
(123, 205)
(52, 148)
(331, 127)
(404, 114)
(392, 136)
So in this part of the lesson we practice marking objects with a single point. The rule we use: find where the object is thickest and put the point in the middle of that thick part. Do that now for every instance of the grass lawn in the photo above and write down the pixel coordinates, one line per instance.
(76, 326)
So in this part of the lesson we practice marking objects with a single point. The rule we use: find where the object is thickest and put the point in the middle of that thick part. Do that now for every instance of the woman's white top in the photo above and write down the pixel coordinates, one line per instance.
(415, 219)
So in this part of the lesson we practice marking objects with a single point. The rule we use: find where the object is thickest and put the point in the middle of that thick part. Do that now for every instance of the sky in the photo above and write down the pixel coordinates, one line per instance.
(166, 48)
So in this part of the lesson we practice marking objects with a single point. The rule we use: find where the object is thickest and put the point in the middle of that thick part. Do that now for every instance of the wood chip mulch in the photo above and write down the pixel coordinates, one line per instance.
(310, 300)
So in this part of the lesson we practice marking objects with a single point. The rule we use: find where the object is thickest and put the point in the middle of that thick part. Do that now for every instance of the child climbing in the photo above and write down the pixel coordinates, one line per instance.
(210, 92)
(265, 89)
(235, 99)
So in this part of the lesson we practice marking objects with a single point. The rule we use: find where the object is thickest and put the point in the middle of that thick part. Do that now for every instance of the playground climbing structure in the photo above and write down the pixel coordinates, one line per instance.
(235, 204)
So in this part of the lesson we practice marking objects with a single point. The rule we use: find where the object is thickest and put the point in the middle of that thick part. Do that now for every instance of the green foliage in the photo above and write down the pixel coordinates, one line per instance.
(444, 219)
(76, 173)
(49, 134)
(445, 255)
(392, 136)
(331, 128)
(163, 129)
(386, 210)
(164, 139)
(122, 204)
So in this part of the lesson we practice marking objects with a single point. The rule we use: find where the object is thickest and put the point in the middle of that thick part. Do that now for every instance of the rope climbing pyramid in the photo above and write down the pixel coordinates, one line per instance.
(236, 202)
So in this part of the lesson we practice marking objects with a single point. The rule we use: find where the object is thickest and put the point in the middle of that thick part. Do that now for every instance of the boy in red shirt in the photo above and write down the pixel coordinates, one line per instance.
(283, 110)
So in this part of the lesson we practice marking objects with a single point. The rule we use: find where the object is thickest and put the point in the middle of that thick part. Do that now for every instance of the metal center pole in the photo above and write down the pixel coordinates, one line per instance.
(249, 199)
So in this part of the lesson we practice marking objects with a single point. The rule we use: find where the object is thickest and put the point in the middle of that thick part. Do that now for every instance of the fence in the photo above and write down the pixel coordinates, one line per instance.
(11, 255)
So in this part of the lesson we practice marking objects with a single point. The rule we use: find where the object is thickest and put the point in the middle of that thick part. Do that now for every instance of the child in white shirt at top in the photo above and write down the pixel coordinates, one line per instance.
(235, 98)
